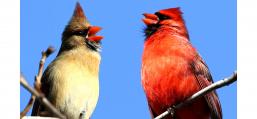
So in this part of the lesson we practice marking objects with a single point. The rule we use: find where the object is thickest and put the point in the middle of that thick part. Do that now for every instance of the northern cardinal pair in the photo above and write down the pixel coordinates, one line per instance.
(172, 70)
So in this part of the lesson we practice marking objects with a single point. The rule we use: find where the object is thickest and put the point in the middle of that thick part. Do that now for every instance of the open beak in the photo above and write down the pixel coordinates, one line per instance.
(150, 19)
(92, 34)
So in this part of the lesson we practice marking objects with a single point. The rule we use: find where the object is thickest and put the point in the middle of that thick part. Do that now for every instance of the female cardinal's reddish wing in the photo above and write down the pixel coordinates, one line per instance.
(38, 108)
(204, 79)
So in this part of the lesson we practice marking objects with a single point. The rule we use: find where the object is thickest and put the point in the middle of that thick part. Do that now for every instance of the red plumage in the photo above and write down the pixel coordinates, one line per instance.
(172, 70)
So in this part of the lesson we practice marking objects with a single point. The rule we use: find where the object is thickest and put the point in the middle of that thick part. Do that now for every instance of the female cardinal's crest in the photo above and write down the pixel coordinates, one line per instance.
(79, 16)
(79, 26)
(78, 11)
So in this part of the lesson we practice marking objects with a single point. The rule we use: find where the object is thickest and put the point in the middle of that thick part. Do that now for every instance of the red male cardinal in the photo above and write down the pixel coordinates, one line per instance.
(172, 70)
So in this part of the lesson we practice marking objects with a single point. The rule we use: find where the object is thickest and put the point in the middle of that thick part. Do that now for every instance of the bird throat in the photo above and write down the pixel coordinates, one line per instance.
(151, 29)
(93, 45)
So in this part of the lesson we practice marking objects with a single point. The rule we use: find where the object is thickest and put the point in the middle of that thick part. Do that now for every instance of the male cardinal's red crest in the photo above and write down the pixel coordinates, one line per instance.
(172, 70)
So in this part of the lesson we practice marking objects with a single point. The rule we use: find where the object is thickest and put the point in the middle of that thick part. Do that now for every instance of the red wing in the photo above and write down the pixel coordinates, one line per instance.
(151, 112)
(204, 79)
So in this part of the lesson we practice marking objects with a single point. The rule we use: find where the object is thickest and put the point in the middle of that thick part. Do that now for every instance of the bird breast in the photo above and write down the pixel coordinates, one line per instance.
(75, 85)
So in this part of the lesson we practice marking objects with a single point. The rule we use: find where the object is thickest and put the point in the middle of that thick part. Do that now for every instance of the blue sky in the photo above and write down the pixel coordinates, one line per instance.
(211, 25)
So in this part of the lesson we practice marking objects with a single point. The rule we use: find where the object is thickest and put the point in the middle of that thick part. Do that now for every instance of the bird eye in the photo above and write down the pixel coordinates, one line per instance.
(161, 16)
(81, 32)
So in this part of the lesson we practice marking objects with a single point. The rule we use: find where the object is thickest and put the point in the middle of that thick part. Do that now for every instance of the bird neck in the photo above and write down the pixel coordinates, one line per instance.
(82, 56)
(168, 36)
(79, 50)
(178, 29)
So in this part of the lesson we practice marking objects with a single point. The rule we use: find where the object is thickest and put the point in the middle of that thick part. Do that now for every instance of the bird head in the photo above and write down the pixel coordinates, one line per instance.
(79, 32)
(171, 17)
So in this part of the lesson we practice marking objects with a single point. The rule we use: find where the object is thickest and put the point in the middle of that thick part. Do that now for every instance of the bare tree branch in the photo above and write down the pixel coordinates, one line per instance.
(36, 93)
(208, 89)
(29, 105)
(37, 83)
(45, 54)
(41, 98)
(37, 117)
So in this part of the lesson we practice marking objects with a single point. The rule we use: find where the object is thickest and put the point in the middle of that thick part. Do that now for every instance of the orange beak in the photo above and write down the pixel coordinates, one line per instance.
(92, 33)
(93, 30)
(95, 38)
(150, 19)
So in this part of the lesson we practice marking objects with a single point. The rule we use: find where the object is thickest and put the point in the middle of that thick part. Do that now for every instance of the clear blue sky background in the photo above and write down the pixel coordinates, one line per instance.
(211, 25)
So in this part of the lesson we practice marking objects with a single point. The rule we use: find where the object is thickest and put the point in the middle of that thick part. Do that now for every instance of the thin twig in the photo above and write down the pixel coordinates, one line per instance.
(41, 98)
(37, 117)
(29, 105)
(45, 54)
(37, 83)
(208, 89)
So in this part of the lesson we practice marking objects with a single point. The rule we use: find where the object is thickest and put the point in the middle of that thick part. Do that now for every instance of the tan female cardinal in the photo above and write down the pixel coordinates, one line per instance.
(172, 70)
(70, 82)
